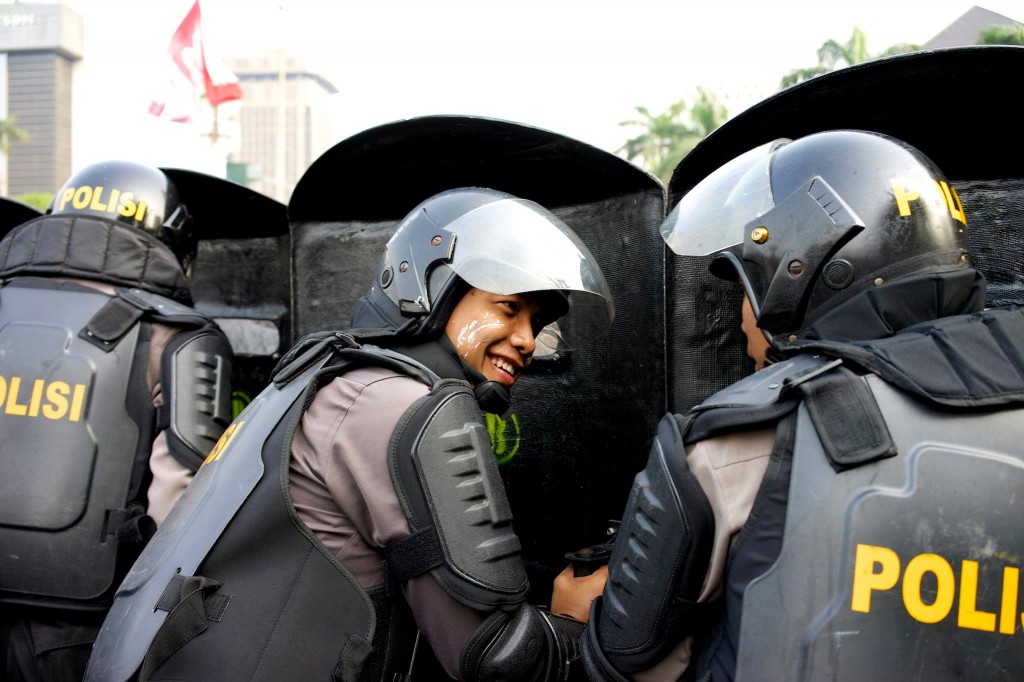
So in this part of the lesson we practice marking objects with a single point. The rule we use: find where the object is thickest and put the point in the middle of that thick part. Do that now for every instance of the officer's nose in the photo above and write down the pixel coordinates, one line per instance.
(523, 339)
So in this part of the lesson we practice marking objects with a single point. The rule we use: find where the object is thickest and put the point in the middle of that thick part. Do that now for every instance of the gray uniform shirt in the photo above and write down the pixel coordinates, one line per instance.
(341, 488)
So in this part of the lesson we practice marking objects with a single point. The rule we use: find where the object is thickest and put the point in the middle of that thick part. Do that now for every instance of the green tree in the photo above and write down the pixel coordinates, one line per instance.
(40, 200)
(1002, 35)
(671, 135)
(10, 132)
(833, 55)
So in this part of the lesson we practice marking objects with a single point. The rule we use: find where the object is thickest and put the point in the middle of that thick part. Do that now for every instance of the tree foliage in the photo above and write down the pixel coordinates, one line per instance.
(1002, 35)
(10, 132)
(833, 55)
(40, 200)
(667, 137)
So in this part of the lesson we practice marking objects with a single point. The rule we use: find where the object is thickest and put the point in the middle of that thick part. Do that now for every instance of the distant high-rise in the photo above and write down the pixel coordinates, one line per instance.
(284, 122)
(39, 44)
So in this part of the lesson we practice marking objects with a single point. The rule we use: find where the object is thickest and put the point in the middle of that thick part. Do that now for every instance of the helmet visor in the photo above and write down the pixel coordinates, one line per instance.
(533, 251)
(713, 215)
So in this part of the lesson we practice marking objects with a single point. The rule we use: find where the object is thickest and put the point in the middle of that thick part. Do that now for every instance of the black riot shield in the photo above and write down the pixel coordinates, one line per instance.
(242, 273)
(14, 213)
(582, 420)
(951, 104)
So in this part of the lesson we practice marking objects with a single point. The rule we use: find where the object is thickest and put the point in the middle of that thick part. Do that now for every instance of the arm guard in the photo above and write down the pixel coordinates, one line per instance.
(447, 480)
(658, 564)
(195, 375)
(528, 644)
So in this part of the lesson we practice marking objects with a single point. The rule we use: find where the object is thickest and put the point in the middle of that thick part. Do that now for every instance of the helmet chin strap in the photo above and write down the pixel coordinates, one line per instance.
(494, 398)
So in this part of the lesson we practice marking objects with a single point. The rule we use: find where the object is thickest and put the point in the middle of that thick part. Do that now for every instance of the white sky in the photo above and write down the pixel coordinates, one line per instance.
(576, 67)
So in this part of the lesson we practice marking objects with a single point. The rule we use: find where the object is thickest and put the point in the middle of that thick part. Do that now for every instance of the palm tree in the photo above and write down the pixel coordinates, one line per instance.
(833, 55)
(1002, 35)
(10, 132)
(670, 136)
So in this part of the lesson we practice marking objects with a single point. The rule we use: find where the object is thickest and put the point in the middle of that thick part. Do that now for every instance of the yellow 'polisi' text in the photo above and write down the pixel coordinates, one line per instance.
(97, 198)
(50, 400)
(225, 440)
(905, 194)
(878, 568)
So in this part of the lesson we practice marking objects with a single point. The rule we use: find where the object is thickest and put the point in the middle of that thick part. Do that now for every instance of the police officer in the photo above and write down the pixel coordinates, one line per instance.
(820, 519)
(112, 390)
(379, 531)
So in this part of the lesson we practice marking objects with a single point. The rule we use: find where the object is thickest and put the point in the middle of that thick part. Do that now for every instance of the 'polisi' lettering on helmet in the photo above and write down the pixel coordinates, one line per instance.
(47, 399)
(225, 440)
(942, 591)
(905, 194)
(117, 203)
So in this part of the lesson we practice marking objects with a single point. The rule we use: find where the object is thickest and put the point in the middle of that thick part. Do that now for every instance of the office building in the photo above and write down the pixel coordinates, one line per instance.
(284, 122)
(39, 45)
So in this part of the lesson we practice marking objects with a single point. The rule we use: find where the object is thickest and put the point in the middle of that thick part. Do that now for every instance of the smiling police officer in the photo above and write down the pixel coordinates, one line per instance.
(355, 508)
(112, 390)
(852, 510)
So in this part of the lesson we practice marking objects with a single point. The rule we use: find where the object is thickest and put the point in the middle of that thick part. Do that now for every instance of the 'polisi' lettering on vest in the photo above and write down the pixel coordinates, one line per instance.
(225, 440)
(50, 400)
(905, 194)
(866, 579)
(117, 203)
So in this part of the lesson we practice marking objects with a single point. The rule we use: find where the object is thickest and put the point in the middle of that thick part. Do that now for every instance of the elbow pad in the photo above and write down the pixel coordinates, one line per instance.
(447, 480)
(528, 644)
(195, 375)
(658, 563)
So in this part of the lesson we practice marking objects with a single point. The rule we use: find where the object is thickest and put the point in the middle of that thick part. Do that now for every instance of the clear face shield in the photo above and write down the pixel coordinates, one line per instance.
(511, 247)
(713, 216)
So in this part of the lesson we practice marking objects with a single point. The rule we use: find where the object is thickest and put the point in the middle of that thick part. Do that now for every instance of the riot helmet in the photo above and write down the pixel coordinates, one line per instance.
(482, 238)
(132, 194)
(807, 225)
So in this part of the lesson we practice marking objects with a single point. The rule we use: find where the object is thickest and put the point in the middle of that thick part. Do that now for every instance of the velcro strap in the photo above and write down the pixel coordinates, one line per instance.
(137, 530)
(847, 419)
(191, 601)
(110, 323)
(414, 555)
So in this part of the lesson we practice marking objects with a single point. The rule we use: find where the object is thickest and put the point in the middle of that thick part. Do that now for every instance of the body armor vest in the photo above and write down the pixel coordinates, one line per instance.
(233, 564)
(71, 464)
(905, 568)
(884, 542)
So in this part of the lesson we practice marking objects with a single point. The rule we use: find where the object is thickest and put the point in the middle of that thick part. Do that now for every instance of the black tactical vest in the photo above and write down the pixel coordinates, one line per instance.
(73, 418)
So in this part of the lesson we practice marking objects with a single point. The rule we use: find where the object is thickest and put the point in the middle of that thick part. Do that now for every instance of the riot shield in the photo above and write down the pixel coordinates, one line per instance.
(14, 213)
(242, 273)
(582, 419)
(951, 104)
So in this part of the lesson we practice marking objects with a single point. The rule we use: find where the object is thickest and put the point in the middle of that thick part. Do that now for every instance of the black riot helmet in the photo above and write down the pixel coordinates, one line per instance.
(483, 238)
(810, 224)
(132, 194)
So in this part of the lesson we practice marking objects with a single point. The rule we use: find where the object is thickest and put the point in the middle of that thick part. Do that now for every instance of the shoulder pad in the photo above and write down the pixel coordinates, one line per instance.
(163, 309)
(761, 398)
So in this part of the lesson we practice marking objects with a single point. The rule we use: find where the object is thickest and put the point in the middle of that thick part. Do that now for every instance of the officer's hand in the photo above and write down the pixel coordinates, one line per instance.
(571, 596)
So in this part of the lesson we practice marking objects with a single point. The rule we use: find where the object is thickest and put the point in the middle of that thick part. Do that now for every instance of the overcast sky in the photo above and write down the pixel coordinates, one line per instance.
(576, 67)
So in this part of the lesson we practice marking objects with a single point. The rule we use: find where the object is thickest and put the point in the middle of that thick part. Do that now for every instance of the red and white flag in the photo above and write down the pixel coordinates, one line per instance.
(193, 75)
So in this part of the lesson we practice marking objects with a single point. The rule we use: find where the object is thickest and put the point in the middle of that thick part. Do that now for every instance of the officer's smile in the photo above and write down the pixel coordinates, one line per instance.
(505, 366)
(494, 333)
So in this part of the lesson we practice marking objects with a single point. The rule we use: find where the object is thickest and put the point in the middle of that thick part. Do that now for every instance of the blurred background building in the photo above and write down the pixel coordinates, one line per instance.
(51, 67)
(39, 45)
(283, 121)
